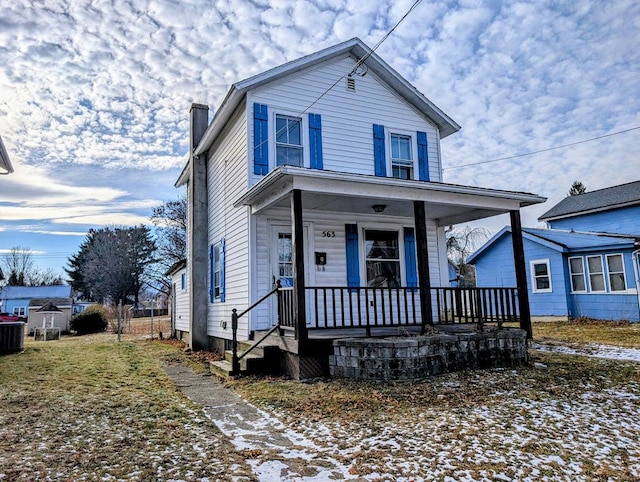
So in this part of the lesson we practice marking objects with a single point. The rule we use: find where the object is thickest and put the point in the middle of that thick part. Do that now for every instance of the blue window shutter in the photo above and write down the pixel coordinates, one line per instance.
(353, 269)
(410, 258)
(423, 156)
(211, 274)
(183, 281)
(315, 141)
(260, 136)
(222, 264)
(379, 157)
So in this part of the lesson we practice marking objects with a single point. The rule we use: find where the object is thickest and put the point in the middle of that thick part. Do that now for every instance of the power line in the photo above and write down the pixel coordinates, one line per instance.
(542, 150)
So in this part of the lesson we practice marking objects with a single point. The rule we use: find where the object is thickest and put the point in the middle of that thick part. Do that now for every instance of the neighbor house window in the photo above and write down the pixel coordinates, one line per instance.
(18, 310)
(382, 258)
(576, 269)
(401, 157)
(288, 140)
(615, 268)
(541, 276)
(596, 275)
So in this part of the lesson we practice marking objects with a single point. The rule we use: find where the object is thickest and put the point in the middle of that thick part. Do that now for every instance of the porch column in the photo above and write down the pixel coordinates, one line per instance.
(297, 238)
(521, 273)
(424, 280)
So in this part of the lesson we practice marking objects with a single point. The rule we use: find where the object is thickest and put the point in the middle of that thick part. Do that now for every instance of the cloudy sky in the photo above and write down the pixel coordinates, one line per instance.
(94, 95)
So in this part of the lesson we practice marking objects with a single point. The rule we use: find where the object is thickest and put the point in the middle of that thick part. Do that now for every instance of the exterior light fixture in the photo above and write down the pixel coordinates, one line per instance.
(378, 208)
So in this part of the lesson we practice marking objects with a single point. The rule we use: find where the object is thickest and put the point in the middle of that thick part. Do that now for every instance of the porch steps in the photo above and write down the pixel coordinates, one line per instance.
(263, 360)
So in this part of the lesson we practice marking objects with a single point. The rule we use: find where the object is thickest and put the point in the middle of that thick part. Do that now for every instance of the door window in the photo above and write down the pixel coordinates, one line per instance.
(285, 259)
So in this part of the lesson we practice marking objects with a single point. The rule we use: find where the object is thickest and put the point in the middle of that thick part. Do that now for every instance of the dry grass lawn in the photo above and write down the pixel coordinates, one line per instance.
(88, 408)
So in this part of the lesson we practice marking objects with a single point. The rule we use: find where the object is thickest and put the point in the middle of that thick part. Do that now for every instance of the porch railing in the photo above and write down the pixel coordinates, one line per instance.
(365, 307)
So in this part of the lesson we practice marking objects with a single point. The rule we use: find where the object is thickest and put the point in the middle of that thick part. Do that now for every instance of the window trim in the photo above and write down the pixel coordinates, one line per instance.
(304, 137)
(389, 132)
(602, 272)
(571, 274)
(534, 286)
(624, 274)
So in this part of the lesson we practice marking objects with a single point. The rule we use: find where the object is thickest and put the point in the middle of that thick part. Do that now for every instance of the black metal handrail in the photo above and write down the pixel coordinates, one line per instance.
(235, 359)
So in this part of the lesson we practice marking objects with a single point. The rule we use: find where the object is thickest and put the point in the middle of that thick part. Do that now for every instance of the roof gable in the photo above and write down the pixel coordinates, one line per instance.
(601, 200)
(355, 48)
(558, 240)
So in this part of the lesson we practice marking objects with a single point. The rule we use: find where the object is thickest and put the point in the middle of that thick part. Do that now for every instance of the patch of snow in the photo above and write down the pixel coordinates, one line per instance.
(593, 350)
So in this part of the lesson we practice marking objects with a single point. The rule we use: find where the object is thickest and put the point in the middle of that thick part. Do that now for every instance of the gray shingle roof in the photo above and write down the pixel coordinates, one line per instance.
(600, 200)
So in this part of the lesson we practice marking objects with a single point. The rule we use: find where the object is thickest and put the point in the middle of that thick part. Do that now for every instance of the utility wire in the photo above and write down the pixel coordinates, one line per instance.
(542, 150)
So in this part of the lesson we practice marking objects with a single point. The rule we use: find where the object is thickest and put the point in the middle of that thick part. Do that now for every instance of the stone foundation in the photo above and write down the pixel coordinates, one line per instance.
(409, 358)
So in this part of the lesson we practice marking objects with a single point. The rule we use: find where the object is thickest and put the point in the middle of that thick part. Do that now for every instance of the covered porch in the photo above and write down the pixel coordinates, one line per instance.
(320, 312)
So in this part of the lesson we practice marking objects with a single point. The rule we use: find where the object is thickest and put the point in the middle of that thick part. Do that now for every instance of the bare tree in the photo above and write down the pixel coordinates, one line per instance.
(19, 266)
(577, 188)
(170, 220)
(460, 244)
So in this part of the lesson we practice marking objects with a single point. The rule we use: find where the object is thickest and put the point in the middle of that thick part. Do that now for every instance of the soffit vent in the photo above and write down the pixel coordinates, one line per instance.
(351, 83)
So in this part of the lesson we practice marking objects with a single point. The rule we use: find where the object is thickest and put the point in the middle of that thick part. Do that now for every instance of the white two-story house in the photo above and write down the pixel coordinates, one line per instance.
(323, 176)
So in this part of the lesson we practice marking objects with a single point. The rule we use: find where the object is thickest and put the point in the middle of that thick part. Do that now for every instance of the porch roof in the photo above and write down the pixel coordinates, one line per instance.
(357, 193)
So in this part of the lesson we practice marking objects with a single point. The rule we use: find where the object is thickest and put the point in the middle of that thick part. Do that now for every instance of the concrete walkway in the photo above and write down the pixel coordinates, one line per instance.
(273, 451)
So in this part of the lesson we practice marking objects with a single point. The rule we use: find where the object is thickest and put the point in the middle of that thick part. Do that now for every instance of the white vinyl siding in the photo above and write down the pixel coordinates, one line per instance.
(347, 117)
(181, 321)
(227, 180)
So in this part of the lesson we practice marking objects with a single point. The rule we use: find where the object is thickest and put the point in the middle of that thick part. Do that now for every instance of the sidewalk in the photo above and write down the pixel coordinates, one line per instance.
(273, 451)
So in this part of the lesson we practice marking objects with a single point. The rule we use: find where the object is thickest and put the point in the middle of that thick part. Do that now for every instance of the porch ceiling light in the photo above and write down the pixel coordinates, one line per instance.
(379, 208)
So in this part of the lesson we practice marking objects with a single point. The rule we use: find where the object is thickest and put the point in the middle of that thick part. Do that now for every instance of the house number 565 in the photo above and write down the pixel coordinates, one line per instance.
(328, 234)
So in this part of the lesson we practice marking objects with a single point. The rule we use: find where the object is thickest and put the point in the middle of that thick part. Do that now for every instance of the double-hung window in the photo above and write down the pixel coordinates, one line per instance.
(615, 268)
(596, 273)
(402, 165)
(216, 271)
(288, 141)
(576, 269)
(382, 258)
(541, 275)
(18, 310)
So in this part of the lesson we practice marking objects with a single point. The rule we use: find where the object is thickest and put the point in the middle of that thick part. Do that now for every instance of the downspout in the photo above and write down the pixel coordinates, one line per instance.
(635, 257)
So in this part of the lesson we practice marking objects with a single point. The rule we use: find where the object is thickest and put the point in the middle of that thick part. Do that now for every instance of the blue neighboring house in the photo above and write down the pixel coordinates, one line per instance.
(586, 264)
(16, 299)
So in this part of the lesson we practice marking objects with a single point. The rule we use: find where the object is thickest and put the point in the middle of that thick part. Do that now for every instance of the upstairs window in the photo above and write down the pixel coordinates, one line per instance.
(401, 157)
(541, 275)
(615, 268)
(596, 274)
(288, 141)
(576, 269)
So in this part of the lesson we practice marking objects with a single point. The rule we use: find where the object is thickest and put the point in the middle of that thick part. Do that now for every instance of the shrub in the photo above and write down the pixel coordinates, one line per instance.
(92, 320)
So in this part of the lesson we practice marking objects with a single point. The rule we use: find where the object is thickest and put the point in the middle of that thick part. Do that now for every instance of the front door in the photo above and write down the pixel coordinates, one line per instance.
(282, 261)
